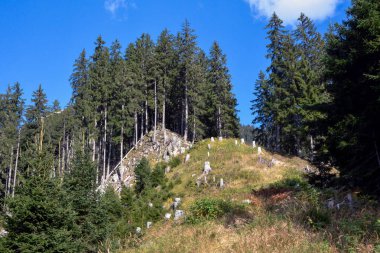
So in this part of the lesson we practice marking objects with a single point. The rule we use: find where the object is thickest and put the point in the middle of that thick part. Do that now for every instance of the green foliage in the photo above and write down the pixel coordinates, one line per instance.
(174, 162)
(92, 213)
(353, 71)
(143, 176)
(40, 219)
(210, 209)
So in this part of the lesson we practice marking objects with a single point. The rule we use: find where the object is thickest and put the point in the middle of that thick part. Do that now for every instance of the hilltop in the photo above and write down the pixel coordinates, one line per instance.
(265, 205)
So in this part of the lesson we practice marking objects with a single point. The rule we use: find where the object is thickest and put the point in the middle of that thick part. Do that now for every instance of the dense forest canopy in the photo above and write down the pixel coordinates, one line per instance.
(319, 97)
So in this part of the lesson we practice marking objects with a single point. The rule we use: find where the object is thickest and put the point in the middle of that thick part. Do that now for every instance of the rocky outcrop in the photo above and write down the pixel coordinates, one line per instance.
(165, 146)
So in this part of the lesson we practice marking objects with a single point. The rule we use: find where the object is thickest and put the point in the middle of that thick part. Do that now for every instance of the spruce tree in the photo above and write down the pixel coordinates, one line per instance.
(223, 101)
(353, 74)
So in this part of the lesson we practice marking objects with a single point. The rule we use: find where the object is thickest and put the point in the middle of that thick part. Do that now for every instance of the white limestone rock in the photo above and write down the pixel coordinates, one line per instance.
(178, 214)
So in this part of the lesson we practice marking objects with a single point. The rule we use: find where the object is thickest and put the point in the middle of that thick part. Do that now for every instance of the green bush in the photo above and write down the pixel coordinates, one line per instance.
(210, 209)
(174, 162)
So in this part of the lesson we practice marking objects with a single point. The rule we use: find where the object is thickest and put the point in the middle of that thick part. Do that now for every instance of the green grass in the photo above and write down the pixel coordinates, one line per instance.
(286, 213)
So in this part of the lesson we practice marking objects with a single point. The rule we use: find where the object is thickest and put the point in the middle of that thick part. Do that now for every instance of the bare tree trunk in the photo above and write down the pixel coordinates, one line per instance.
(142, 125)
(63, 149)
(16, 163)
(155, 110)
(93, 143)
(109, 154)
(311, 148)
(146, 113)
(105, 143)
(186, 114)
(164, 114)
(122, 135)
(136, 128)
(219, 122)
(67, 153)
(193, 128)
(8, 182)
(99, 176)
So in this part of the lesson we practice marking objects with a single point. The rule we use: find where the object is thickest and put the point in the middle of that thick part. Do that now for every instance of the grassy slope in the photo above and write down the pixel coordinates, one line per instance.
(281, 217)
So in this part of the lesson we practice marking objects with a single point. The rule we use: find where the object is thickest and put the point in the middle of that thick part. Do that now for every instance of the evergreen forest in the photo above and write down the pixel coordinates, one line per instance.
(318, 99)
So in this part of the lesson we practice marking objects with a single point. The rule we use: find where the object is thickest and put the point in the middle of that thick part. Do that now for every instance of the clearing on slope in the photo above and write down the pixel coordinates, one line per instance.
(265, 205)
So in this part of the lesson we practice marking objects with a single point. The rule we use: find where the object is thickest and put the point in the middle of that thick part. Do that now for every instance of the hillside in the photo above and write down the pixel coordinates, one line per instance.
(260, 208)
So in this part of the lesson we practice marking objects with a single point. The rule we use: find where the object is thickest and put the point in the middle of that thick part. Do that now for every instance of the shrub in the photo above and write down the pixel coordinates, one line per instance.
(174, 162)
(211, 209)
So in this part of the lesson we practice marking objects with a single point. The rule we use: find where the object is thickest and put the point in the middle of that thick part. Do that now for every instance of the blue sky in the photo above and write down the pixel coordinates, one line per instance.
(40, 39)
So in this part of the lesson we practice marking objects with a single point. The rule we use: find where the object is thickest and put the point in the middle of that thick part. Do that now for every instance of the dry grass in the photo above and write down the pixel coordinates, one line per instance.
(278, 219)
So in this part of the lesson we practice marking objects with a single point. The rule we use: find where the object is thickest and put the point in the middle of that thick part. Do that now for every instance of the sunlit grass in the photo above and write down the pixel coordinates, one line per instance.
(286, 214)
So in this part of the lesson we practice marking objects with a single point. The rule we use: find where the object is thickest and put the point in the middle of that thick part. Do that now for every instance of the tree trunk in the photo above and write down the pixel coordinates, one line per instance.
(164, 114)
(59, 157)
(94, 143)
(67, 153)
(193, 128)
(142, 125)
(8, 182)
(186, 114)
(16, 163)
(155, 111)
(63, 149)
(136, 128)
(146, 113)
(122, 135)
(109, 155)
(219, 122)
(105, 143)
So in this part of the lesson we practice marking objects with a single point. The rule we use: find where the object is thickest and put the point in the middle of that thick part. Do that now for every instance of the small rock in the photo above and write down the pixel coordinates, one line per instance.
(138, 230)
(167, 216)
(242, 141)
(247, 201)
(149, 224)
(178, 214)
(212, 139)
(207, 167)
(330, 203)
(220, 138)
(254, 144)
(150, 204)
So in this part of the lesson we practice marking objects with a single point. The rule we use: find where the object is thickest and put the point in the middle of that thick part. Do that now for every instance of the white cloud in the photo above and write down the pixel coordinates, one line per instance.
(289, 10)
(114, 5)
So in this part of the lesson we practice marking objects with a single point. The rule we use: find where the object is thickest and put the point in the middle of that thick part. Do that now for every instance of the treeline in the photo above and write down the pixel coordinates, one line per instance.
(171, 83)
(320, 97)
(117, 97)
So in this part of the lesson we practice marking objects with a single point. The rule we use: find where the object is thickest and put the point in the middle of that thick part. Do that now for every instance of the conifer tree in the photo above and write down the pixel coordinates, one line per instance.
(187, 49)
(276, 35)
(223, 101)
(353, 74)
(165, 59)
